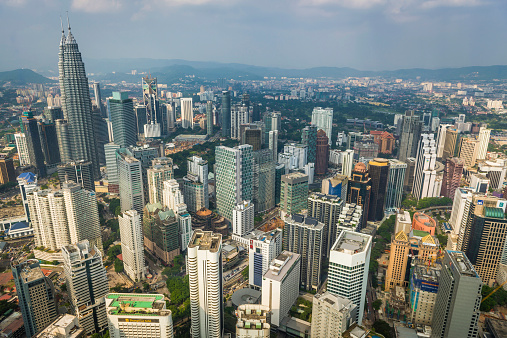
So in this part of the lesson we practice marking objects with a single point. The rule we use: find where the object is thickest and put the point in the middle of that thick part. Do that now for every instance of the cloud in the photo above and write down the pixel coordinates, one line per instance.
(13, 3)
(450, 3)
(357, 4)
(96, 6)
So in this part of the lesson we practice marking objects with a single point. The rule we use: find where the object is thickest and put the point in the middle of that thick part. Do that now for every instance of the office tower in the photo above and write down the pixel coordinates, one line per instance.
(326, 209)
(280, 285)
(98, 99)
(323, 119)
(22, 148)
(351, 218)
(195, 184)
(263, 247)
(76, 105)
(112, 167)
(147, 316)
(204, 266)
(294, 193)
(62, 134)
(305, 236)
(309, 171)
(458, 300)
(273, 143)
(53, 113)
(209, 118)
(170, 113)
(79, 202)
(423, 292)
(233, 177)
(7, 173)
(331, 315)
(130, 179)
(395, 181)
(226, 114)
(425, 174)
(349, 260)
(410, 134)
(173, 199)
(404, 249)
(141, 119)
(468, 148)
(385, 141)
(279, 172)
(33, 143)
(479, 182)
(187, 113)
(359, 190)
(495, 171)
(322, 154)
(239, 116)
(336, 186)
(161, 232)
(253, 137)
(101, 130)
(157, 175)
(152, 128)
(253, 321)
(458, 208)
(347, 162)
(36, 296)
(27, 182)
(452, 138)
(243, 218)
(87, 284)
(123, 119)
(48, 218)
(483, 138)
(452, 176)
(80, 172)
(276, 121)
(441, 137)
(132, 244)
(263, 181)
(379, 172)
(63, 326)
(309, 138)
(49, 142)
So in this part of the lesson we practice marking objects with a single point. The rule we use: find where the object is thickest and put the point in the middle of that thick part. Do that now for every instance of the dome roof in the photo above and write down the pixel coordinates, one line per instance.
(203, 212)
(360, 167)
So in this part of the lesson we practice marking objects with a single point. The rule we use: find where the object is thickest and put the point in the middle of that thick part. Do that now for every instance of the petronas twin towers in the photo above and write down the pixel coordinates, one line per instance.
(76, 103)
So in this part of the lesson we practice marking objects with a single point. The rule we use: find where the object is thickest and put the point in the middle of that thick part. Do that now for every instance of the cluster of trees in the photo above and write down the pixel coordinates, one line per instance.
(426, 202)
(305, 306)
(498, 298)
(6, 306)
(383, 328)
(115, 233)
(379, 245)
(178, 286)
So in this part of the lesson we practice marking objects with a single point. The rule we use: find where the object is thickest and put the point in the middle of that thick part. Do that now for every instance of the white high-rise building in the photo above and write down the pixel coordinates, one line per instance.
(273, 143)
(243, 218)
(349, 260)
(440, 144)
(173, 199)
(253, 321)
(195, 184)
(132, 244)
(299, 151)
(187, 113)
(425, 174)
(22, 147)
(157, 174)
(87, 284)
(82, 214)
(484, 135)
(239, 116)
(458, 208)
(27, 182)
(323, 119)
(310, 172)
(204, 266)
(347, 162)
(130, 177)
(146, 316)
(331, 315)
(280, 285)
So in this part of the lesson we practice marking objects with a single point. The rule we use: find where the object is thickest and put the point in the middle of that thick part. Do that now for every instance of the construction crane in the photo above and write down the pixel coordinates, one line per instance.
(492, 292)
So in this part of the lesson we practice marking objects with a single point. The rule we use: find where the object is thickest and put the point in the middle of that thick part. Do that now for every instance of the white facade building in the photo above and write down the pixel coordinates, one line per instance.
(280, 285)
(484, 135)
(289, 161)
(239, 116)
(130, 178)
(187, 113)
(273, 143)
(323, 119)
(440, 144)
(22, 147)
(331, 315)
(299, 151)
(173, 199)
(204, 266)
(349, 261)
(347, 162)
(243, 218)
(310, 172)
(425, 173)
(253, 321)
(132, 244)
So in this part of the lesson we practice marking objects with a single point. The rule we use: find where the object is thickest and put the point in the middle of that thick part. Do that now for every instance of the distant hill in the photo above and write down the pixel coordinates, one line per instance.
(23, 77)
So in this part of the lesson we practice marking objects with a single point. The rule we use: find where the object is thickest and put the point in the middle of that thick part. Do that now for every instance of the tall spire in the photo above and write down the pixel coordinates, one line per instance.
(68, 22)
(62, 41)
(70, 38)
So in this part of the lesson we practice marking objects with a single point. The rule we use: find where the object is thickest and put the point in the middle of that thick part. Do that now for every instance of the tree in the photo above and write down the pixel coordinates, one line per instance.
(118, 266)
(64, 287)
(377, 304)
(383, 328)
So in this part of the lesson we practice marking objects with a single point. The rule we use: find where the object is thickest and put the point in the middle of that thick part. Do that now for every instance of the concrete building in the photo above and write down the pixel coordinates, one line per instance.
(300, 153)
(359, 189)
(187, 113)
(441, 137)
(495, 171)
(280, 285)
(7, 173)
(326, 209)
(379, 172)
(411, 128)
(36, 295)
(263, 181)
(396, 178)
(132, 244)
(425, 174)
(204, 266)
(173, 199)
(64, 326)
(336, 186)
(309, 138)
(423, 292)
(112, 167)
(322, 153)
(87, 284)
(80, 172)
(351, 218)
(304, 236)
(233, 177)
(456, 312)
(468, 148)
(239, 116)
(157, 175)
(253, 321)
(348, 268)
(294, 193)
(138, 315)
(423, 222)
(323, 119)
(22, 148)
(161, 232)
(273, 143)
(195, 184)
(483, 138)
(347, 162)
(452, 176)
(403, 222)
(243, 218)
(123, 119)
(226, 114)
(331, 315)
(130, 177)
(27, 182)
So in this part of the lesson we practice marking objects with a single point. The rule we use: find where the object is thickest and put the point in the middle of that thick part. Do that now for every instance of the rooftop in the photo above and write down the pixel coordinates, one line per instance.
(206, 240)
(281, 265)
(461, 262)
(137, 304)
(351, 243)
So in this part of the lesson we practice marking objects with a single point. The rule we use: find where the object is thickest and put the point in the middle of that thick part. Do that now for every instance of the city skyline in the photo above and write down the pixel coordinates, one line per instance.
(427, 34)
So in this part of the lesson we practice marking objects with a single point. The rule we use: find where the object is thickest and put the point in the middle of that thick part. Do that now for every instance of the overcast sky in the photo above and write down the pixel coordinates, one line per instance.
(362, 34)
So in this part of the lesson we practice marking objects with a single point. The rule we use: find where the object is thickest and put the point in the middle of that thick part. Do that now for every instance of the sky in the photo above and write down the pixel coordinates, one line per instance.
(362, 34)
